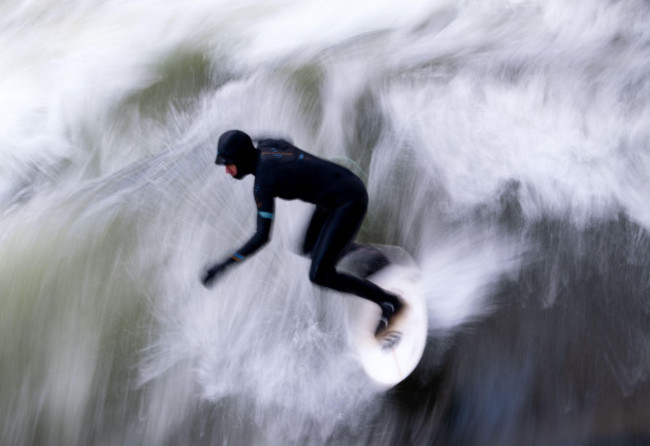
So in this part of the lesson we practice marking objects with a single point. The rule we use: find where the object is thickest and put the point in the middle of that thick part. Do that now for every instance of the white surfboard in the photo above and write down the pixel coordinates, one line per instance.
(390, 358)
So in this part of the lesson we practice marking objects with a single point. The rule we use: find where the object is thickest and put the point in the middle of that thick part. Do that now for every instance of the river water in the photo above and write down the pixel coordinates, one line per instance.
(505, 144)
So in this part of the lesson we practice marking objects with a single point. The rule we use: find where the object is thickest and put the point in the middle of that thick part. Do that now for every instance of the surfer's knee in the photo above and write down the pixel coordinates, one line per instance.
(319, 275)
(306, 249)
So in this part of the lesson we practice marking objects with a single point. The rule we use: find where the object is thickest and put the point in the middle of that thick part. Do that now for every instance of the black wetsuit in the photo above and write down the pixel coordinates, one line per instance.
(282, 170)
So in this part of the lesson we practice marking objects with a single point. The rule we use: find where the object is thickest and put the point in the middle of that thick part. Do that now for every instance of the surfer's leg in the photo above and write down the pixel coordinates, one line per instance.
(314, 229)
(367, 258)
(338, 231)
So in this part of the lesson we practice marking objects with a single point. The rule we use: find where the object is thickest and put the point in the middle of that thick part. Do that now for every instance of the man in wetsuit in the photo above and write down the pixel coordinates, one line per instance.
(285, 171)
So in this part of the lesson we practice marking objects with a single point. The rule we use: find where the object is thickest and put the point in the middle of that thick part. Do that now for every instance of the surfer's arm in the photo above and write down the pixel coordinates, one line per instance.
(265, 214)
(262, 233)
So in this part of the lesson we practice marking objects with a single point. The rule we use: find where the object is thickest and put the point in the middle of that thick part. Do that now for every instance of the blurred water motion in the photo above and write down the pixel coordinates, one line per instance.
(504, 144)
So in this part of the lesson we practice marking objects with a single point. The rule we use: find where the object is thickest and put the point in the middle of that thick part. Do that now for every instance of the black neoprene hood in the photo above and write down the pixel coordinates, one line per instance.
(236, 147)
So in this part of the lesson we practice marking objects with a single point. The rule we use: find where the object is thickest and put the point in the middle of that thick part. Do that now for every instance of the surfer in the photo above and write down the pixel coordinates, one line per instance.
(285, 171)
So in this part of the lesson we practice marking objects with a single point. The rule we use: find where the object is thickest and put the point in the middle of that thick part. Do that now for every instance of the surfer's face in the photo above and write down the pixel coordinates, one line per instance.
(231, 170)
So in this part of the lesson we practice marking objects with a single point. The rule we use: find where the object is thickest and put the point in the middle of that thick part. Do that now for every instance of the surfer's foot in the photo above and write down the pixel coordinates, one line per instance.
(388, 311)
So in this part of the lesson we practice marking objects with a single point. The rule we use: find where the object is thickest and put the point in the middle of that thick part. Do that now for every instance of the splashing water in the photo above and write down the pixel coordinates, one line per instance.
(504, 144)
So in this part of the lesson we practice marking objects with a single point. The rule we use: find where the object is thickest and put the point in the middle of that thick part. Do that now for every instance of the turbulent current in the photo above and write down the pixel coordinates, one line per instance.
(504, 143)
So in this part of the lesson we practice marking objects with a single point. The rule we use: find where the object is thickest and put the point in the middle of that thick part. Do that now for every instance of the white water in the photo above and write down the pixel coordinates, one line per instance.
(110, 203)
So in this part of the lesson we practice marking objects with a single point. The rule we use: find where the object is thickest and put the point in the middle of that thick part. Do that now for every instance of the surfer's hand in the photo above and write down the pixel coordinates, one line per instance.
(212, 273)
